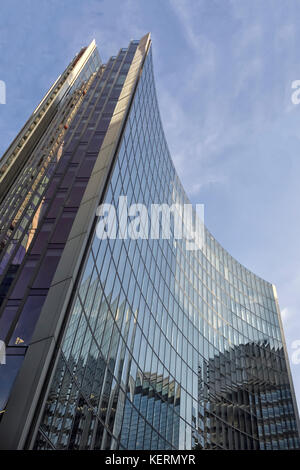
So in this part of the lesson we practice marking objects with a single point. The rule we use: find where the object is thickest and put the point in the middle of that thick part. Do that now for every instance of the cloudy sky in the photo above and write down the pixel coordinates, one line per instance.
(224, 70)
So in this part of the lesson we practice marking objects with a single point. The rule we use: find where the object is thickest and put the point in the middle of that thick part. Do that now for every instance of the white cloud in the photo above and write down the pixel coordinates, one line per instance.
(188, 15)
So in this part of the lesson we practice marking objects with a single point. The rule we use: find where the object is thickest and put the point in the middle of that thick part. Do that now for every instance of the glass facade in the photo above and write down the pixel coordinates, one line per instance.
(167, 348)
(163, 347)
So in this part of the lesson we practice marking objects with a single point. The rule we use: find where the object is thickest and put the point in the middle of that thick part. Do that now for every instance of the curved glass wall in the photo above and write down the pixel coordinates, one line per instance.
(166, 348)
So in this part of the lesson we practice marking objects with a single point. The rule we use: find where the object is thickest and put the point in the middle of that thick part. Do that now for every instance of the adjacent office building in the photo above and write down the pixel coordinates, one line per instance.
(124, 343)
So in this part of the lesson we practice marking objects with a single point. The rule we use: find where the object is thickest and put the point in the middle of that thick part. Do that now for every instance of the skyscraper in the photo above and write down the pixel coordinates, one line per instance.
(124, 343)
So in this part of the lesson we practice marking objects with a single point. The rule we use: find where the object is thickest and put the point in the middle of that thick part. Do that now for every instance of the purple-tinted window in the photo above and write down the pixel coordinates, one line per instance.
(42, 238)
(76, 194)
(52, 187)
(6, 320)
(56, 205)
(63, 227)
(63, 164)
(87, 166)
(103, 124)
(72, 144)
(47, 269)
(96, 143)
(79, 154)
(109, 108)
(27, 320)
(69, 177)
(24, 279)
(19, 256)
(115, 93)
(87, 135)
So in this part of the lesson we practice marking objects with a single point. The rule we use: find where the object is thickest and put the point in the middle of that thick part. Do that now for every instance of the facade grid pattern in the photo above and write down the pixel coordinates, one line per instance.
(166, 348)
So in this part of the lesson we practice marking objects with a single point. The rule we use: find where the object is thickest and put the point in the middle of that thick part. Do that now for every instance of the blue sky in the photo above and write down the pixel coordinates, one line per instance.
(224, 71)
